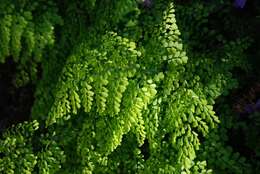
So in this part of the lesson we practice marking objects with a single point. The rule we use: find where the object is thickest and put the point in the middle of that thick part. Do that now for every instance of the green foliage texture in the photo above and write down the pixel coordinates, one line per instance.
(124, 87)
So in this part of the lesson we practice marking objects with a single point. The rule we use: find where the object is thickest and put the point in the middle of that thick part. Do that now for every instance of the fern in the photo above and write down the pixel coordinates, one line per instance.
(125, 88)
(24, 35)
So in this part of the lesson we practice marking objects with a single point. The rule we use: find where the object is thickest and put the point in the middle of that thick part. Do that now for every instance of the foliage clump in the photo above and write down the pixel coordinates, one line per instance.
(125, 88)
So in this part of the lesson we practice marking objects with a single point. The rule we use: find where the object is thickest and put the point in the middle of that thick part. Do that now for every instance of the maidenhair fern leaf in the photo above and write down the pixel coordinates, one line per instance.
(5, 24)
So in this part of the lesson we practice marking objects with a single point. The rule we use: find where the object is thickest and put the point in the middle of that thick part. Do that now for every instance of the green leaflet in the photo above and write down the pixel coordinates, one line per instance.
(86, 96)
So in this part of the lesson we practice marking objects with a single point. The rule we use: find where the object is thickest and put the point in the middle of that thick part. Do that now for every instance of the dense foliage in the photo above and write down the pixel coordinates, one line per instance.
(128, 86)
